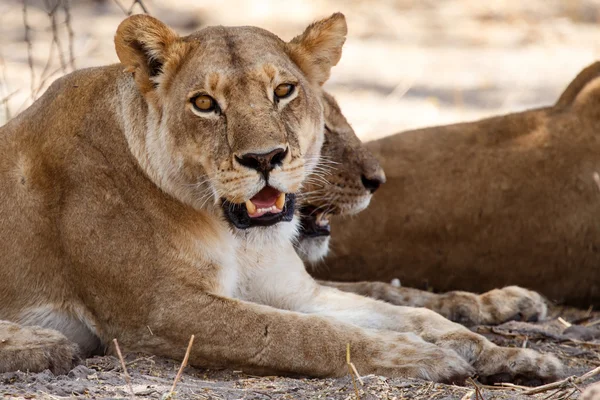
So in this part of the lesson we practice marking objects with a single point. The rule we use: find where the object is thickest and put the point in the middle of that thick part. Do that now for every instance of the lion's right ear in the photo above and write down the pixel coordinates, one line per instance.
(142, 43)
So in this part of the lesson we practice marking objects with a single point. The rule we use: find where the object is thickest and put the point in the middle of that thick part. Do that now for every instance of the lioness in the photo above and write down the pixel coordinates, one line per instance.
(343, 186)
(343, 183)
(474, 206)
(155, 199)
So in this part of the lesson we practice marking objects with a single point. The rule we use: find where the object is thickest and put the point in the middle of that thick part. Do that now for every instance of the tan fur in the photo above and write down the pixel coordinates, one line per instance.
(338, 188)
(29, 348)
(111, 225)
(592, 392)
(480, 205)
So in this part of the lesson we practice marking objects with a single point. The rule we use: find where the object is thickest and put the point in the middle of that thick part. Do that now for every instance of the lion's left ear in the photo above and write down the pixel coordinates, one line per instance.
(319, 47)
(142, 43)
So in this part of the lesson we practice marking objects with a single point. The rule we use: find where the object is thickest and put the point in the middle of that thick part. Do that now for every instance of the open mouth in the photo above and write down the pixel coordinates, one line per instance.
(314, 222)
(267, 207)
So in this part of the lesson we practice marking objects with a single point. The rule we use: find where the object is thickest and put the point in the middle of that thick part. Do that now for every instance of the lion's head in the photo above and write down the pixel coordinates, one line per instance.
(341, 184)
(235, 122)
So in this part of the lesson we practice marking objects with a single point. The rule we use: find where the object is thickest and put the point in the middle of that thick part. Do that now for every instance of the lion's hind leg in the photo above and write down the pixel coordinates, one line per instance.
(35, 349)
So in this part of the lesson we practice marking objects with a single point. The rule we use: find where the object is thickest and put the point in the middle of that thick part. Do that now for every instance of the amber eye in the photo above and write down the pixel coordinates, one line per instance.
(284, 90)
(205, 103)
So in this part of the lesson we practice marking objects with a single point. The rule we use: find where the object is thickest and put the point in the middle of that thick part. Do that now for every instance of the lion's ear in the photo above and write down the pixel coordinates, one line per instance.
(142, 44)
(319, 47)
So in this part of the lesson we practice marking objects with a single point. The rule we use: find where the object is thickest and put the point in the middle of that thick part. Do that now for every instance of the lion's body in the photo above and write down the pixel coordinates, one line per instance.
(475, 206)
(353, 175)
(142, 202)
(82, 227)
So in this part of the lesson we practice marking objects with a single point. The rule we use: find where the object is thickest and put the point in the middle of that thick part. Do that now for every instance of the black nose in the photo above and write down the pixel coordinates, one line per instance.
(263, 163)
(372, 183)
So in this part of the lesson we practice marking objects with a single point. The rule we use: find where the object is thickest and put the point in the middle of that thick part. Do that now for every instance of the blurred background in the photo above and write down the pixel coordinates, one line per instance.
(406, 63)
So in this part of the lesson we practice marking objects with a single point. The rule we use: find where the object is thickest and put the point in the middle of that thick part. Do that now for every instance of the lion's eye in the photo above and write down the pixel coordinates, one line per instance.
(205, 103)
(284, 90)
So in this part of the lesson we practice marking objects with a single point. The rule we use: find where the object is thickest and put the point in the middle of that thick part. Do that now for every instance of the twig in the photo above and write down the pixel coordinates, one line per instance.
(4, 89)
(351, 371)
(51, 11)
(29, 48)
(142, 6)
(478, 394)
(127, 377)
(510, 386)
(562, 384)
(596, 322)
(67, 10)
(567, 324)
(149, 358)
(183, 365)
(130, 10)
(8, 96)
(118, 3)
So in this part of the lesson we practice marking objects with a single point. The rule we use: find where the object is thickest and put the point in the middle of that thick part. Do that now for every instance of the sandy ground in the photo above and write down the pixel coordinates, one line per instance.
(152, 377)
(407, 64)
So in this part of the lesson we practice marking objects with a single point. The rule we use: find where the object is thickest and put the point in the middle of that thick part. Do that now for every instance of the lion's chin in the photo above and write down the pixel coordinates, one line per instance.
(238, 214)
(312, 250)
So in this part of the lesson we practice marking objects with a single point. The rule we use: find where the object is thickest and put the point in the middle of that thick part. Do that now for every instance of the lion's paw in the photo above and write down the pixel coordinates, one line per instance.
(521, 366)
(407, 355)
(34, 349)
(494, 307)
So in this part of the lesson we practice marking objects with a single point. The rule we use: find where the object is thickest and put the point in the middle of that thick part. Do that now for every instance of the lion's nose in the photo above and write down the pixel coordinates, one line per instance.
(372, 181)
(263, 162)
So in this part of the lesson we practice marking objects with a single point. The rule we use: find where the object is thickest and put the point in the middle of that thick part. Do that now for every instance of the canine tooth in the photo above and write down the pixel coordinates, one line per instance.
(250, 207)
(280, 201)
(322, 219)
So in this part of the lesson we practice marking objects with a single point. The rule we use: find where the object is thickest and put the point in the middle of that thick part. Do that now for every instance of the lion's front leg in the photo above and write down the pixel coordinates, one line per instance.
(492, 363)
(491, 308)
(263, 340)
(289, 286)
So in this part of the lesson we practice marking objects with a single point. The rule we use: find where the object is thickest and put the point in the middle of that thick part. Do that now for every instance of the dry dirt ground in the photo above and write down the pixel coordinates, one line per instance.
(152, 377)
(407, 64)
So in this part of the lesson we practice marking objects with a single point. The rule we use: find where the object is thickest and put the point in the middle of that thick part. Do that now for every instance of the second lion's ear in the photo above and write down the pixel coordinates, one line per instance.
(142, 43)
(319, 47)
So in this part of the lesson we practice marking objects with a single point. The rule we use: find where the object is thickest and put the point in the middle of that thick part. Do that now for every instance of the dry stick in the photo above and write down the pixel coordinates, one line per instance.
(142, 6)
(4, 89)
(183, 365)
(8, 96)
(67, 10)
(562, 384)
(56, 40)
(478, 394)
(127, 378)
(29, 48)
(567, 324)
(351, 371)
(122, 7)
(508, 385)
(51, 12)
